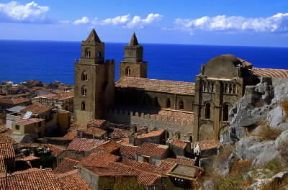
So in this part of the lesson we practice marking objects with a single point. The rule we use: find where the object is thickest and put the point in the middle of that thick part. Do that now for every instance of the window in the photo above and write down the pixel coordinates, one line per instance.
(207, 111)
(99, 54)
(225, 112)
(84, 76)
(87, 53)
(83, 90)
(181, 105)
(17, 127)
(168, 103)
(127, 71)
(83, 106)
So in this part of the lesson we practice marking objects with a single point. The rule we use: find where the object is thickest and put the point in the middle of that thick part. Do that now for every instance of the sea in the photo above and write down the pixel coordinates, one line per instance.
(50, 61)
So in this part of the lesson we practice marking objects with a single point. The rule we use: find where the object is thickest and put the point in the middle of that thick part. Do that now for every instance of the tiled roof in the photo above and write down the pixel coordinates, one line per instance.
(267, 72)
(72, 181)
(70, 135)
(98, 160)
(66, 165)
(55, 150)
(178, 143)
(6, 139)
(108, 147)
(7, 150)
(30, 179)
(151, 134)
(58, 96)
(182, 160)
(28, 121)
(14, 101)
(128, 151)
(2, 166)
(174, 87)
(95, 131)
(185, 172)
(153, 150)
(37, 108)
(119, 133)
(81, 144)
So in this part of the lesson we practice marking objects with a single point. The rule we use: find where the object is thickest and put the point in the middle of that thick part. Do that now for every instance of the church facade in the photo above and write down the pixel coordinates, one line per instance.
(187, 110)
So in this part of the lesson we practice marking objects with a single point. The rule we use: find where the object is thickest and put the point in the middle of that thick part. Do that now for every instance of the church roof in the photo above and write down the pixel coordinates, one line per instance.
(166, 86)
(93, 37)
(133, 41)
(267, 72)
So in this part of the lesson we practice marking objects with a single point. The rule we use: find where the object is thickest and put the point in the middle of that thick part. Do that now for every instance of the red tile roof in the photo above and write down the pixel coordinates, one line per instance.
(174, 87)
(153, 150)
(120, 133)
(178, 143)
(30, 179)
(96, 123)
(128, 151)
(72, 181)
(66, 165)
(70, 135)
(151, 134)
(81, 144)
(55, 150)
(267, 72)
(14, 101)
(108, 147)
(99, 160)
(207, 144)
(37, 108)
(7, 150)
(95, 131)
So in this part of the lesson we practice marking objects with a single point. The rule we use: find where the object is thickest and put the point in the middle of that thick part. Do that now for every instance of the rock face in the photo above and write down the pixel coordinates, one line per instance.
(257, 151)
(260, 103)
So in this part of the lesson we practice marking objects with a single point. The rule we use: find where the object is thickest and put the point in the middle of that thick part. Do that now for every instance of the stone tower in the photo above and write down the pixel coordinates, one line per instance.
(133, 64)
(94, 81)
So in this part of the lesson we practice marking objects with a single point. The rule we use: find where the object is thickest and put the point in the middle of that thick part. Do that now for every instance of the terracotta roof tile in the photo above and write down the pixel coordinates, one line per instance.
(72, 181)
(151, 149)
(108, 147)
(30, 179)
(120, 133)
(70, 135)
(267, 72)
(37, 108)
(55, 150)
(175, 87)
(95, 131)
(66, 165)
(178, 143)
(14, 101)
(81, 144)
(151, 134)
(98, 160)
(7, 150)
(96, 123)
(128, 151)
(207, 144)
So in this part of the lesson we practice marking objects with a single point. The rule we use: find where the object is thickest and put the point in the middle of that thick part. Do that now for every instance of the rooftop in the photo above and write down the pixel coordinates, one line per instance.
(28, 121)
(151, 134)
(151, 149)
(66, 165)
(37, 108)
(168, 86)
(274, 73)
(81, 144)
(72, 181)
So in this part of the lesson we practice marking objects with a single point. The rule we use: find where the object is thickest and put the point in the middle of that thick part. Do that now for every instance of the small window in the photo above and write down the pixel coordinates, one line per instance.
(181, 105)
(83, 106)
(168, 103)
(225, 112)
(87, 53)
(99, 54)
(83, 91)
(17, 127)
(207, 111)
(84, 76)
(127, 71)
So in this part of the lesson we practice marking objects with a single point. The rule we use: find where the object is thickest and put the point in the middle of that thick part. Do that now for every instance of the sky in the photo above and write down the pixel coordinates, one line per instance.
(201, 22)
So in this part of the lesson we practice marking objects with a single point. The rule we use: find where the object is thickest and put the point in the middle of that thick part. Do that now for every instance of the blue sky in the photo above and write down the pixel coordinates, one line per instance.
(206, 22)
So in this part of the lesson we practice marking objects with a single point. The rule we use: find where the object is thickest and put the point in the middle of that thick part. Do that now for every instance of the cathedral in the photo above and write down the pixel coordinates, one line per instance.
(189, 111)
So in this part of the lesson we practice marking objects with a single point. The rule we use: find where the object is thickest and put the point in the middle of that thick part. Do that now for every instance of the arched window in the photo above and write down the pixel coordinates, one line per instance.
(127, 71)
(84, 76)
(99, 54)
(225, 109)
(207, 111)
(83, 91)
(181, 105)
(87, 53)
(168, 103)
(83, 106)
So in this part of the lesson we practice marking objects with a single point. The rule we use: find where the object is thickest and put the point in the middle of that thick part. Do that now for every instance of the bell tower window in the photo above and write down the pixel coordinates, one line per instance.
(83, 91)
(127, 71)
(87, 53)
(83, 106)
(207, 111)
(84, 76)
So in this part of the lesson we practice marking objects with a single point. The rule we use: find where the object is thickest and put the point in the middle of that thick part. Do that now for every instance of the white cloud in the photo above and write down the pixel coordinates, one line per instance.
(16, 12)
(275, 23)
(83, 20)
(123, 20)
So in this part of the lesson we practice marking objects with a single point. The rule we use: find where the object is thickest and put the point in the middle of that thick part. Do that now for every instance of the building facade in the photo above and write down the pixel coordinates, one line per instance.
(188, 111)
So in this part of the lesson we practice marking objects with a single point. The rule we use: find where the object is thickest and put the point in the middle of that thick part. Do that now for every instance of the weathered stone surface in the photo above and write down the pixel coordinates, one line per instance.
(276, 116)
(257, 151)
(208, 185)
(222, 167)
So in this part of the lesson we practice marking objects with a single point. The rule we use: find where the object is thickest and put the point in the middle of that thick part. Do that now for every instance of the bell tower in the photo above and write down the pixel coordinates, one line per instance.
(94, 81)
(133, 64)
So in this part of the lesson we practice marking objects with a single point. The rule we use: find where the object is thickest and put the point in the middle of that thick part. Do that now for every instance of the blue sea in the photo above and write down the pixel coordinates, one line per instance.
(49, 61)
